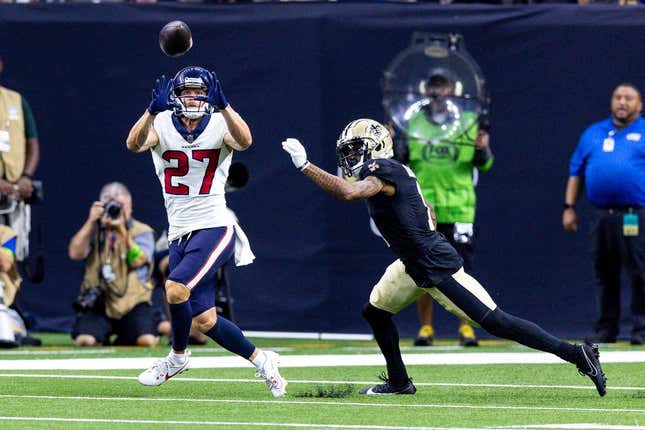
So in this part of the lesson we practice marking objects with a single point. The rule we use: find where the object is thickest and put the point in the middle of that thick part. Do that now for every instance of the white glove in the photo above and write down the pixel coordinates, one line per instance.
(297, 152)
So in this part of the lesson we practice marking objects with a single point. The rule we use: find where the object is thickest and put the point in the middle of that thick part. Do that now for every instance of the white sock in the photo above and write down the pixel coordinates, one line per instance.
(259, 359)
(177, 358)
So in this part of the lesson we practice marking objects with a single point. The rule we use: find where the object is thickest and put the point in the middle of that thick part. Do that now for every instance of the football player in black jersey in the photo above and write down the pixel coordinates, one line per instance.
(427, 262)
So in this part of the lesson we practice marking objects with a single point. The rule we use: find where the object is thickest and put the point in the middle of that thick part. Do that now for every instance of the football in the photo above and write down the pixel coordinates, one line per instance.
(175, 39)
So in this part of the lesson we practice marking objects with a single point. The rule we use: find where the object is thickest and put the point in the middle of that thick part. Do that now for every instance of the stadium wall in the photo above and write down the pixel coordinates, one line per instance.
(305, 70)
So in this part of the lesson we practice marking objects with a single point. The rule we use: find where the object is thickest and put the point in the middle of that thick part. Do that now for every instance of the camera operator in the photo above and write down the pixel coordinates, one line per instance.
(116, 292)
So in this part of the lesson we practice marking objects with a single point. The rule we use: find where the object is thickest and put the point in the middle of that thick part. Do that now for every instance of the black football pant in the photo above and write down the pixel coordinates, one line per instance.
(507, 326)
(611, 252)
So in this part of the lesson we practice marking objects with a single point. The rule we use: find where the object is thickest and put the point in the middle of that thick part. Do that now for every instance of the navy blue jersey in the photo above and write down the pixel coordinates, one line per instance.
(404, 222)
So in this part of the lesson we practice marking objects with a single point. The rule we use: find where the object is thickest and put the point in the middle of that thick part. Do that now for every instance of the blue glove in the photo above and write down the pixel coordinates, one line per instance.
(215, 96)
(161, 96)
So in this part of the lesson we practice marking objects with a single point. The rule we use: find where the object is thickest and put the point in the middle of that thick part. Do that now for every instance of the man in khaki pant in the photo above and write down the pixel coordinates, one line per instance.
(20, 155)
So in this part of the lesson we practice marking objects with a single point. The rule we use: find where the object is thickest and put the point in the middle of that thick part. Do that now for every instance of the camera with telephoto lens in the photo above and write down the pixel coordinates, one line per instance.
(113, 209)
(87, 299)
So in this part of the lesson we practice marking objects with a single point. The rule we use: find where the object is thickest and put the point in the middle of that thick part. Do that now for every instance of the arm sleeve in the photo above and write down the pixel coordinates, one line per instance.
(30, 123)
(579, 157)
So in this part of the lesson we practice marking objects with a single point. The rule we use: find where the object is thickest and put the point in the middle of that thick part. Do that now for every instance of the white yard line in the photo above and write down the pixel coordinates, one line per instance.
(322, 360)
(222, 350)
(307, 335)
(58, 351)
(326, 403)
(582, 426)
(315, 381)
(229, 423)
(406, 348)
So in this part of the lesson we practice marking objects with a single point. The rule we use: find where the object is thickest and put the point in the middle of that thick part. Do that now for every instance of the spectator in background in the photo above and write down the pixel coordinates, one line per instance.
(445, 173)
(116, 292)
(20, 154)
(610, 157)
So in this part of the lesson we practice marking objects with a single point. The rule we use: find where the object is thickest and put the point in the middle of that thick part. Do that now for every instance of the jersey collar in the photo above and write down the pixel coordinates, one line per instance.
(190, 137)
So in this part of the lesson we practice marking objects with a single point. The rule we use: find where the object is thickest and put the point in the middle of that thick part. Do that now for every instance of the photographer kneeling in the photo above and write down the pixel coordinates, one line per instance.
(116, 292)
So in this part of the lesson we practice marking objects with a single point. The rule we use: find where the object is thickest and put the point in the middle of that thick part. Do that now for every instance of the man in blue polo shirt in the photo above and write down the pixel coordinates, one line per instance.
(610, 156)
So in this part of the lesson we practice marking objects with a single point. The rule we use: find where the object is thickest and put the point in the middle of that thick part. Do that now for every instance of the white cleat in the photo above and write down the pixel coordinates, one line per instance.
(269, 371)
(162, 370)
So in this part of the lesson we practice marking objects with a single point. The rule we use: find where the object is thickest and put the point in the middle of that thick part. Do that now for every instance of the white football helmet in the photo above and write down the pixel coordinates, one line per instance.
(362, 140)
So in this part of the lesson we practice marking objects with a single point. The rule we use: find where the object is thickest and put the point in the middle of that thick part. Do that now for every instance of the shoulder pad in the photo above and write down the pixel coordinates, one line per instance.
(382, 168)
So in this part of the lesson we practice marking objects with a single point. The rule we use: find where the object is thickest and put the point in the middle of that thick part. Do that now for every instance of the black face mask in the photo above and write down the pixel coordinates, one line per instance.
(350, 154)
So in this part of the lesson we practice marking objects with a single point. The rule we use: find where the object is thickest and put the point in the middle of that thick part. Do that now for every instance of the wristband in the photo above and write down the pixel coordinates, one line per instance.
(304, 166)
(567, 206)
(26, 175)
(134, 253)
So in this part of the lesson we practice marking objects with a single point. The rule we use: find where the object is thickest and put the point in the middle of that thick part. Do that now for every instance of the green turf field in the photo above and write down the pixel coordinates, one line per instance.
(448, 396)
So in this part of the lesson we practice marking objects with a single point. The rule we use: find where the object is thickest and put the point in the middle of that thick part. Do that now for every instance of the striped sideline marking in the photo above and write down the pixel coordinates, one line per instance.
(328, 403)
(325, 360)
(230, 424)
(308, 381)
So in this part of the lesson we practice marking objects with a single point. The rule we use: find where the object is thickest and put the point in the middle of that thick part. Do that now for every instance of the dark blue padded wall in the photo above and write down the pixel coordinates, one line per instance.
(305, 70)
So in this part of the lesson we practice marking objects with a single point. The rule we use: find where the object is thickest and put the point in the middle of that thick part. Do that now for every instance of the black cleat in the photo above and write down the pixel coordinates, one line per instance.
(388, 389)
(591, 367)
(423, 341)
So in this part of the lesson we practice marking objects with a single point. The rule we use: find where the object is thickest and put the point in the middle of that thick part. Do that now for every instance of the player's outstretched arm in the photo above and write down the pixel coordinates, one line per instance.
(334, 185)
(239, 133)
(342, 189)
(142, 136)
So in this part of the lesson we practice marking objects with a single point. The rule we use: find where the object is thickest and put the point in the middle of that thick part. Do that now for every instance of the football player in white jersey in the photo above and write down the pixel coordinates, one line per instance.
(192, 131)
